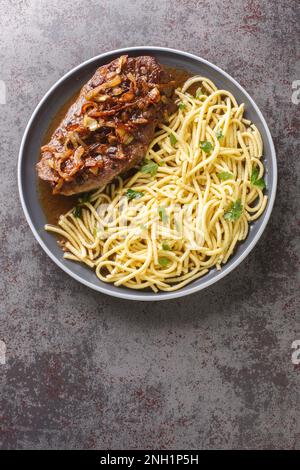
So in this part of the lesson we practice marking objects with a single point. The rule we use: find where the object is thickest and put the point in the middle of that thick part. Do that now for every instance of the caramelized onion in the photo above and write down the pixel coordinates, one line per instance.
(47, 148)
(94, 162)
(117, 91)
(122, 62)
(87, 105)
(94, 170)
(90, 123)
(78, 154)
(129, 96)
(154, 95)
(73, 127)
(104, 86)
(102, 98)
(123, 135)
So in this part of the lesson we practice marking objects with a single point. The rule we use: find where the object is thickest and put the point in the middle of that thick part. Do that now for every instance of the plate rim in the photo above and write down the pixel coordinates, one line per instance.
(134, 295)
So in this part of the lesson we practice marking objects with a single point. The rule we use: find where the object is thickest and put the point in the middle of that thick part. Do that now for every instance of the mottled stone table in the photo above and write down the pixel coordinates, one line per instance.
(210, 371)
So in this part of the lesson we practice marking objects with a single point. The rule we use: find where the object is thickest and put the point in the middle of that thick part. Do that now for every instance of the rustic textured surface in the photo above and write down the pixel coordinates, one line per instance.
(210, 371)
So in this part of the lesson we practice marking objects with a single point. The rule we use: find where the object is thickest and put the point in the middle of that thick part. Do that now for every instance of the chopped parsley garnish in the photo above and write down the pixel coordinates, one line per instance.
(225, 175)
(198, 93)
(163, 261)
(255, 181)
(219, 134)
(165, 246)
(234, 211)
(149, 167)
(173, 139)
(85, 197)
(131, 194)
(163, 215)
(206, 146)
(77, 211)
(182, 106)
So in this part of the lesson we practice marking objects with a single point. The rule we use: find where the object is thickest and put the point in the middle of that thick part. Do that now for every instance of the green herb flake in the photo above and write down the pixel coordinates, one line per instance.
(77, 211)
(225, 175)
(173, 139)
(181, 106)
(198, 93)
(260, 183)
(163, 261)
(255, 181)
(234, 211)
(85, 197)
(254, 175)
(165, 246)
(206, 146)
(219, 134)
(149, 167)
(131, 194)
(163, 215)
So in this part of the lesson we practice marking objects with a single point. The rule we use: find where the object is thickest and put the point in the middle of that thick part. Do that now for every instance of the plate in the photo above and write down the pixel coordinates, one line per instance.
(48, 108)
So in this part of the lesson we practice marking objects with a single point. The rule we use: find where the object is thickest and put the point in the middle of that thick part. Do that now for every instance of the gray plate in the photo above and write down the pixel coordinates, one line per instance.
(65, 89)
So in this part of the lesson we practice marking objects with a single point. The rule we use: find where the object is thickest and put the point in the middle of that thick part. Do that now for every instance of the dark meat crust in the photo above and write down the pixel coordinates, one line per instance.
(80, 158)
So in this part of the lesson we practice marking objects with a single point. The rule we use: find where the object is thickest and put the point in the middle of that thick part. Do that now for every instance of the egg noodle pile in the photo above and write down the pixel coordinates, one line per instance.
(185, 210)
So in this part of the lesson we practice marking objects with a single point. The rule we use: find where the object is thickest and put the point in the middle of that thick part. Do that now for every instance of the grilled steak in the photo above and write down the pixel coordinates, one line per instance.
(109, 127)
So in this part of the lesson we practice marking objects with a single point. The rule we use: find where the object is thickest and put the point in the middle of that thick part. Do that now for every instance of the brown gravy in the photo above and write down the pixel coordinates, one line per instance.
(54, 206)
